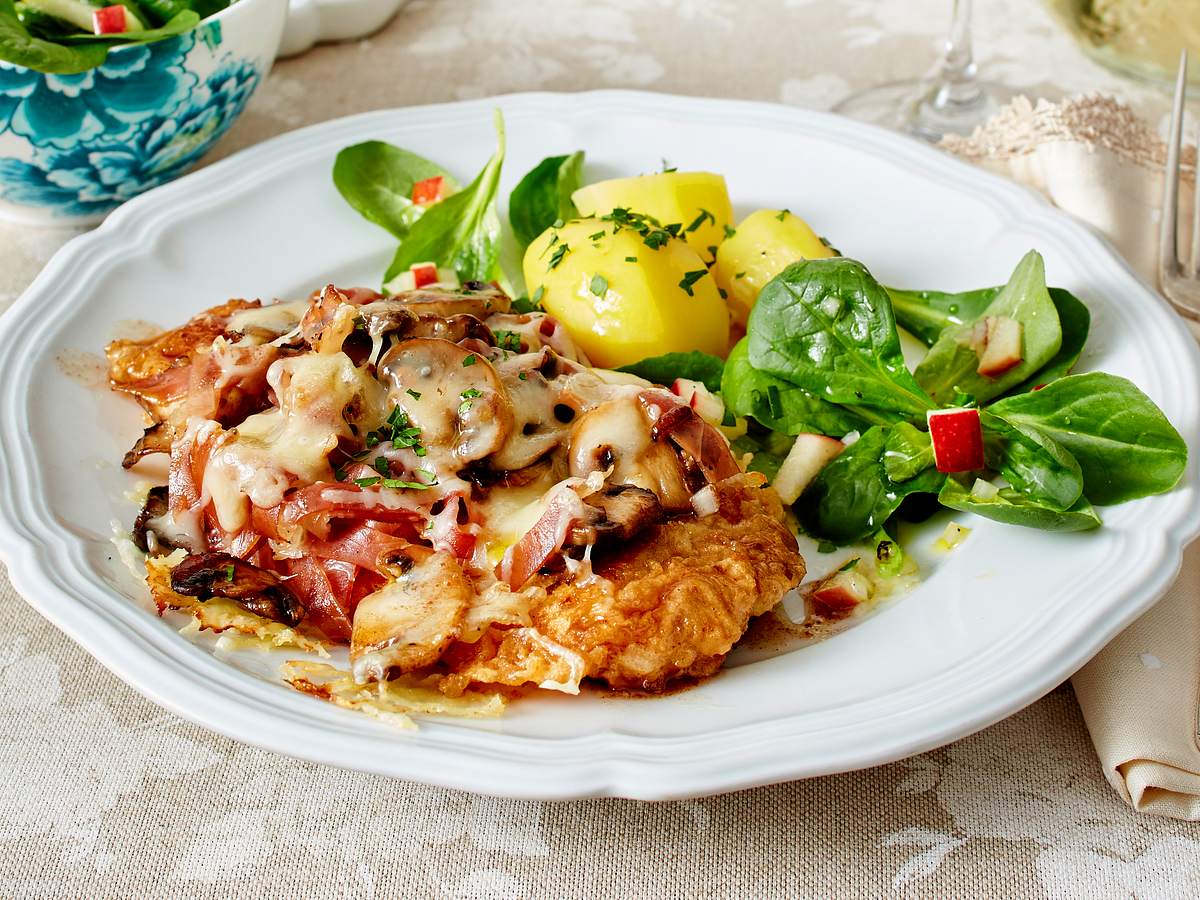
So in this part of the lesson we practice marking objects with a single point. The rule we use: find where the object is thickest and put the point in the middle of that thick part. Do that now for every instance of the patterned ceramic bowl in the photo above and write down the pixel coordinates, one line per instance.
(74, 147)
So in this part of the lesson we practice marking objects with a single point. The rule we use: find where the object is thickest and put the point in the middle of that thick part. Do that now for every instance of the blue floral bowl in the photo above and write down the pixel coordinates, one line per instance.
(74, 147)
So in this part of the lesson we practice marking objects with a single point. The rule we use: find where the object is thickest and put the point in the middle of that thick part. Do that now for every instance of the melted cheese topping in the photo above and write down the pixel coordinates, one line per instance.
(320, 397)
(277, 318)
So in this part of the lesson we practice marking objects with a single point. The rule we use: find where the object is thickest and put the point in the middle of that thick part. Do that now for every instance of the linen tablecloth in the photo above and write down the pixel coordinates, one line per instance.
(104, 794)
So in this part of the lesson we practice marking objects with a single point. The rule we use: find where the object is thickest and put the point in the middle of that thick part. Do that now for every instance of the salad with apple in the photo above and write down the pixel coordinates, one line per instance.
(65, 37)
(792, 350)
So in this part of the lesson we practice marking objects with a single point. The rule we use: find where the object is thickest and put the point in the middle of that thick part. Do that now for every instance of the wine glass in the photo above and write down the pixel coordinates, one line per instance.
(950, 100)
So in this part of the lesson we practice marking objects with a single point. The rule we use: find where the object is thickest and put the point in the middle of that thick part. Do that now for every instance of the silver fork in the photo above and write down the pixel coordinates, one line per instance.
(1180, 281)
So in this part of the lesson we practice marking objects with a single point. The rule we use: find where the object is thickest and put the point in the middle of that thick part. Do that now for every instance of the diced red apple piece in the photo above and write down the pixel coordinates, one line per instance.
(417, 275)
(840, 593)
(706, 404)
(808, 456)
(957, 439)
(423, 274)
(109, 20)
(428, 191)
(1003, 350)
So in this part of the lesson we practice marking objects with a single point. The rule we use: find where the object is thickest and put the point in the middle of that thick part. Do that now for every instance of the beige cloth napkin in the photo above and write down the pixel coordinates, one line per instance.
(1141, 694)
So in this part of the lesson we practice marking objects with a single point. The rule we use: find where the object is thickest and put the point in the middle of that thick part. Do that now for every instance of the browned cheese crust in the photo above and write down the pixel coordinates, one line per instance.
(673, 603)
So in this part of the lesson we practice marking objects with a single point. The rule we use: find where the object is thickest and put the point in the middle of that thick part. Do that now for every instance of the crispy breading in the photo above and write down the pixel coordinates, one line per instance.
(132, 361)
(674, 602)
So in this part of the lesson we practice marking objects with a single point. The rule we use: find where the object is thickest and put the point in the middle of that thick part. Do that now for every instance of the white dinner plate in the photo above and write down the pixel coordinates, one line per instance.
(995, 624)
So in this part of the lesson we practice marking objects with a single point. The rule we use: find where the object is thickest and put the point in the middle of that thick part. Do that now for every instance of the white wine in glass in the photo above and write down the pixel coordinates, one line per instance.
(952, 100)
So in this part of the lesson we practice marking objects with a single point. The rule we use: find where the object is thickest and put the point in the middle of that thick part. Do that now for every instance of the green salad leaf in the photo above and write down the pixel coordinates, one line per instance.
(827, 326)
(784, 407)
(950, 367)
(19, 47)
(461, 232)
(907, 452)
(1123, 443)
(927, 314)
(543, 196)
(1014, 508)
(853, 496)
(694, 365)
(377, 178)
(1033, 462)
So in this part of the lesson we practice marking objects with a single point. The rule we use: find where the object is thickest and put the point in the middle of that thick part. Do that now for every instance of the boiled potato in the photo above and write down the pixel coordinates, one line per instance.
(670, 197)
(763, 245)
(621, 299)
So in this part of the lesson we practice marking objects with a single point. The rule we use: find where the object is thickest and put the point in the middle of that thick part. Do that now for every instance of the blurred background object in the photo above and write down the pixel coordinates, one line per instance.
(312, 22)
(1142, 38)
(950, 100)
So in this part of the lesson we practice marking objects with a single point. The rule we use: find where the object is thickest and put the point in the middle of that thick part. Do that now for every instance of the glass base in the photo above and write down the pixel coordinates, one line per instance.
(920, 108)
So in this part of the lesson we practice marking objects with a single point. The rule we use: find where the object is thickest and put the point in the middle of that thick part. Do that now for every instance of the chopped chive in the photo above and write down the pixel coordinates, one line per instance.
(228, 570)
(468, 360)
(783, 214)
(599, 285)
(690, 278)
(740, 275)
(849, 565)
(416, 395)
(631, 259)
(729, 232)
(704, 216)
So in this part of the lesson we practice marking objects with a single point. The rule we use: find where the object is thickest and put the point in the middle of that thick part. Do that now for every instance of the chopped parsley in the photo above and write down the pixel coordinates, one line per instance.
(721, 291)
(228, 570)
(397, 430)
(631, 259)
(783, 214)
(739, 275)
(522, 376)
(599, 285)
(597, 235)
(774, 402)
(508, 340)
(467, 396)
(469, 360)
(652, 232)
(690, 278)
(400, 484)
(557, 256)
(705, 216)
(729, 232)
(360, 324)
(339, 474)
(381, 465)
(368, 482)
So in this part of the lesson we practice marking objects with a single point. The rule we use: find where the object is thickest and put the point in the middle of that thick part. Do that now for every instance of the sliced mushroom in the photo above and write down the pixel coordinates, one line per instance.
(384, 317)
(156, 439)
(480, 302)
(455, 397)
(454, 329)
(207, 575)
(408, 623)
(616, 435)
(541, 415)
(151, 529)
(704, 445)
(625, 510)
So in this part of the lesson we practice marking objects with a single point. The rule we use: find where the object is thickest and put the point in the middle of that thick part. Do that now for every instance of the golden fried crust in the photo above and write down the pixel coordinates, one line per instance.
(674, 602)
(131, 362)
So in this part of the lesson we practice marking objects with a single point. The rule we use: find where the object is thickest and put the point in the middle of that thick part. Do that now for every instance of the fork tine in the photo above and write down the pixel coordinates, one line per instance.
(1194, 267)
(1168, 254)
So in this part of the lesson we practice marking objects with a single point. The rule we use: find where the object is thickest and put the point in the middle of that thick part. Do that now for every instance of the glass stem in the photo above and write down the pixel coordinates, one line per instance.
(956, 86)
